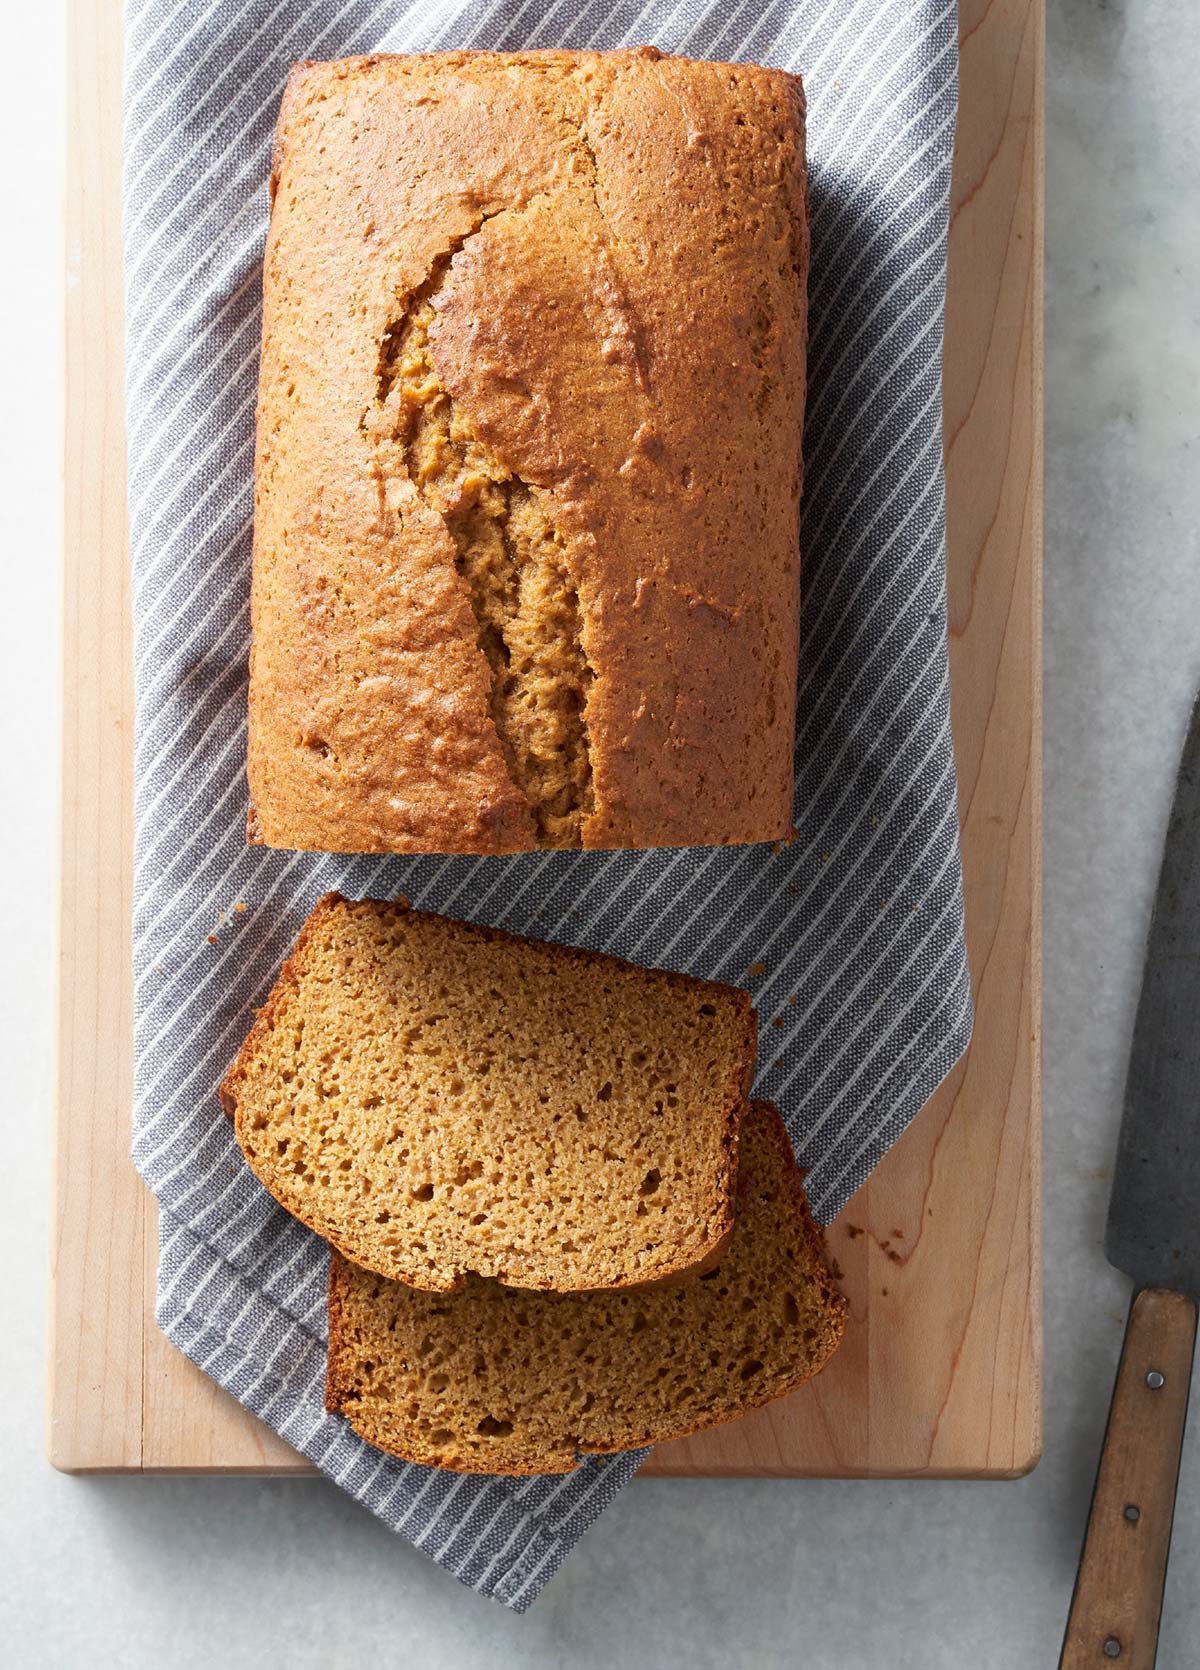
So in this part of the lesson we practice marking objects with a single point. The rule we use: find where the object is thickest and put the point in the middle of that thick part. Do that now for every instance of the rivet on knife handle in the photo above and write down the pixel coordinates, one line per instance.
(1118, 1593)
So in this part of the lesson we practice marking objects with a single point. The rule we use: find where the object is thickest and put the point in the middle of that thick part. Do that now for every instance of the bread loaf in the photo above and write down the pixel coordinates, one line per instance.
(526, 570)
(493, 1381)
(436, 1098)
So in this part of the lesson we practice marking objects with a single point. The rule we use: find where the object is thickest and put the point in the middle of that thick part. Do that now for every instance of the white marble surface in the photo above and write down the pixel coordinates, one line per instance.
(831, 1576)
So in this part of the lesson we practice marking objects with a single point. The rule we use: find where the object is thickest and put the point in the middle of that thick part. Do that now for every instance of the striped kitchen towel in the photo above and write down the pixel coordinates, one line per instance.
(851, 939)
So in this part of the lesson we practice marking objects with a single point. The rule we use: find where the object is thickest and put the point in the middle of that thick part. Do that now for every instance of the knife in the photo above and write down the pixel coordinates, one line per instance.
(1154, 1236)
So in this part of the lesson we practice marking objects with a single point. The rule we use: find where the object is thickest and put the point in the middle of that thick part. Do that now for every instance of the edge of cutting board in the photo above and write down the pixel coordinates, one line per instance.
(940, 1372)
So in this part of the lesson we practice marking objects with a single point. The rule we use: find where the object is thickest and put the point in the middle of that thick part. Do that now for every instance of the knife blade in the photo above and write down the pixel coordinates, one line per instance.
(1153, 1234)
(1154, 1213)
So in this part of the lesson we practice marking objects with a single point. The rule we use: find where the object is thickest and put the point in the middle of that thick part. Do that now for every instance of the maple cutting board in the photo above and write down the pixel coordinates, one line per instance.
(940, 1372)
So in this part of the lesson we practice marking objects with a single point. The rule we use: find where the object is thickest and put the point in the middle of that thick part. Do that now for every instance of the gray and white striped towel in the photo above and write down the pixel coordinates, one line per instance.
(856, 930)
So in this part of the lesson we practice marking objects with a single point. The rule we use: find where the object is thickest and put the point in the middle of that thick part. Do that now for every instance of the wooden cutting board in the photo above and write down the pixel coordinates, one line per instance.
(940, 1373)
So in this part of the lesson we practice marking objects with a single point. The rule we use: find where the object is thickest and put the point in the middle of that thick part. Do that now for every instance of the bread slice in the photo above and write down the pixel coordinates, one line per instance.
(494, 1381)
(436, 1098)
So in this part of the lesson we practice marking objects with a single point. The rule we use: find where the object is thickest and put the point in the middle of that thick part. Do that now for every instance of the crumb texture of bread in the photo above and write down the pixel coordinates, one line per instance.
(436, 1099)
(526, 562)
(489, 1380)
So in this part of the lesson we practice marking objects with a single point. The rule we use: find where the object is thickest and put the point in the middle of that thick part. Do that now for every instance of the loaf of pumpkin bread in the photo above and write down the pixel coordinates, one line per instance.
(493, 1381)
(526, 567)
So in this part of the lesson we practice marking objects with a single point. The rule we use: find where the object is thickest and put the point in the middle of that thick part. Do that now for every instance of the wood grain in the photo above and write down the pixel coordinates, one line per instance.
(99, 1204)
(1117, 1603)
(940, 1373)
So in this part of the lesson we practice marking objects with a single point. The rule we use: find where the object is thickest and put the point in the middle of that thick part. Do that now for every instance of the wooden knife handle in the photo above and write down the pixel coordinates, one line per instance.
(1118, 1593)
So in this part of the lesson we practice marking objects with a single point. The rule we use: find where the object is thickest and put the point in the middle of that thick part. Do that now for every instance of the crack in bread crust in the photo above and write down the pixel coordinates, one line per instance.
(514, 561)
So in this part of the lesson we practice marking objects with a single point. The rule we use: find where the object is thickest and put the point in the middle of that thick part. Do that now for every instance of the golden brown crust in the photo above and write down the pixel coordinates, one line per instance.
(272, 1131)
(653, 209)
(396, 1358)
